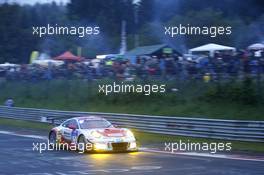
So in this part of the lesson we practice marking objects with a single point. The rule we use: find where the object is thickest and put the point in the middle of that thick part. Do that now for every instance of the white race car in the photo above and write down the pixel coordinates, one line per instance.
(92, 133)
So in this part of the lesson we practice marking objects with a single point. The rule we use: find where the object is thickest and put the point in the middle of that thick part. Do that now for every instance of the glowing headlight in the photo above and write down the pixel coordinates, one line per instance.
(96, 134)
(100, 146)
(129, 134)
(133, 145)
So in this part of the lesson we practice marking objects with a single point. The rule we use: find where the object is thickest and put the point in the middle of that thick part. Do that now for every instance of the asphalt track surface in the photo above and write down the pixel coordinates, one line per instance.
(18, 158)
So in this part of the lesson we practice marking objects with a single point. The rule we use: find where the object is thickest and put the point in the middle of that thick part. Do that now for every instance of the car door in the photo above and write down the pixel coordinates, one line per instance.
(74, 130)
(67, 131)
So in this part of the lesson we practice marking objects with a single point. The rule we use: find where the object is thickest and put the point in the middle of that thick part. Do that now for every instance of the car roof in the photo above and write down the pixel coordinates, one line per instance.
(89, 118)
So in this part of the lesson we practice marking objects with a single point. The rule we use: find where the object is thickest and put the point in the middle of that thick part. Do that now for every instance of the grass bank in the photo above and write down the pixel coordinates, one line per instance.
(192, 99)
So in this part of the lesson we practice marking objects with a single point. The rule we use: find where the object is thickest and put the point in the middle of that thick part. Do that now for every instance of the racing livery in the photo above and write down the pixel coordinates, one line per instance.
(96, 132)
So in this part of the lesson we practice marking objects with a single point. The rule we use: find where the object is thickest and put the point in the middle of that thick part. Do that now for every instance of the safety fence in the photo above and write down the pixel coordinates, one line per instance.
(242, 130)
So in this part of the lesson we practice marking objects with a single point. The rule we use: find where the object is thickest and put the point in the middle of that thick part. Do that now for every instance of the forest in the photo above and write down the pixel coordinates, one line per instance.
(146, 18)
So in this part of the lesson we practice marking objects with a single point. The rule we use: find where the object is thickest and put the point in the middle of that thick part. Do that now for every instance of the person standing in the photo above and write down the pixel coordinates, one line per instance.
(9, 102)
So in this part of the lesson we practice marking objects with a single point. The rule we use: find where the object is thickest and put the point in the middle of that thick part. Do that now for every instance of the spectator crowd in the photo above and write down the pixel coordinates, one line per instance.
(166, 67)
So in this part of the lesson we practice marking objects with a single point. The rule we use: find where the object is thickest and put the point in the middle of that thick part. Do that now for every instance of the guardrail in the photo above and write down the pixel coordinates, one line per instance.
(241, 130)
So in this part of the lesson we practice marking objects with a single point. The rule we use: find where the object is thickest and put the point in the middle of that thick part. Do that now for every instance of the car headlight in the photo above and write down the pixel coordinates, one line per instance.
(96, 134)
(129, 134)
(133, 145)
(100, 146)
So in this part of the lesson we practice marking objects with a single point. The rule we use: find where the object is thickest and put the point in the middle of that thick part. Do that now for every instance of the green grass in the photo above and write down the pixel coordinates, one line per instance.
(83, 96)
(25, 124)
(143, 137)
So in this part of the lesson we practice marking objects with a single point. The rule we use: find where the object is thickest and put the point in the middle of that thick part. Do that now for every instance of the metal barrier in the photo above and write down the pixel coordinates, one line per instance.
(241, 130)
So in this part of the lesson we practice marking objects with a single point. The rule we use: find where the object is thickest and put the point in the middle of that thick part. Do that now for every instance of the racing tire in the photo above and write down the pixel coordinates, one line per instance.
(82, 144)
(52, 139)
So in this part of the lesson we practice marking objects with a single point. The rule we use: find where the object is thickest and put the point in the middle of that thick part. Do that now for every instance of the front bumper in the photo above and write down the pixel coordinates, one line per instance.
(115, 146)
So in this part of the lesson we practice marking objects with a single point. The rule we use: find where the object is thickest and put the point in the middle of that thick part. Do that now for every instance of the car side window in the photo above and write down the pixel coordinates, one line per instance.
(70, 122)
(74, 123)
(66, 123)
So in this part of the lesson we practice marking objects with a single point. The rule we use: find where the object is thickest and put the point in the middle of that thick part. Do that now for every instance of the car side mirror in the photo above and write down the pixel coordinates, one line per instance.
(115, 126)
(73, 127)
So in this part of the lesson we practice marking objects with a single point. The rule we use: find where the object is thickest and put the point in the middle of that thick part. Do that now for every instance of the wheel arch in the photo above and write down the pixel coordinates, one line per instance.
(79, 136)
(51, 131)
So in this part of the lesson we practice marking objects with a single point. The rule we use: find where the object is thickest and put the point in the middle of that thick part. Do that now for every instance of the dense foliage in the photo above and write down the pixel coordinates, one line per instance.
(16, 22)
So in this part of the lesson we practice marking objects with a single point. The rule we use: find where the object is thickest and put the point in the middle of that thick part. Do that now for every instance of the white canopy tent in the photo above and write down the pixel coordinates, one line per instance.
(256, 46)
(211, 48)
(9, 65)
(46, 62)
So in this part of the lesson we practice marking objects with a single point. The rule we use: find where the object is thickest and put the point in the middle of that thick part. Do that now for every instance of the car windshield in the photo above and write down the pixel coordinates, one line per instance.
(89, 124)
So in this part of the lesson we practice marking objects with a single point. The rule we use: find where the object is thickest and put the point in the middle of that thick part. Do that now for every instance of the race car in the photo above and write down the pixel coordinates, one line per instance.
(92, 133)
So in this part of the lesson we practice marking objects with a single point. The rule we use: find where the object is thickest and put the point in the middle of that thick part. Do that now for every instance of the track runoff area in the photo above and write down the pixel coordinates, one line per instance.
(18, 158)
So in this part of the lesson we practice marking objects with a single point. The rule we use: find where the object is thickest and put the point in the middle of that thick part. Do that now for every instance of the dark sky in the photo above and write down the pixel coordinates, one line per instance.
(33, 1)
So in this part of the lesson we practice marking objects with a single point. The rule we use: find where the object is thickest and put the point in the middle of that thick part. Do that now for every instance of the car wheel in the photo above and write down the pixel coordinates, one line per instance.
(82, 144)
(52, 139)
